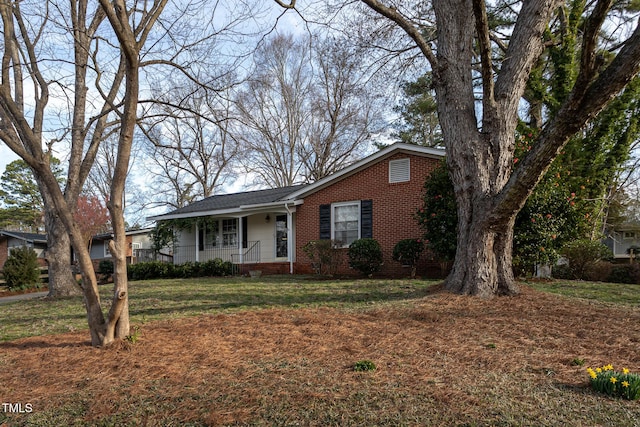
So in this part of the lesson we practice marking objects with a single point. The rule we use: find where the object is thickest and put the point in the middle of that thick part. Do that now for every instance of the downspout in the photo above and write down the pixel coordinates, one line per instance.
(289, 237)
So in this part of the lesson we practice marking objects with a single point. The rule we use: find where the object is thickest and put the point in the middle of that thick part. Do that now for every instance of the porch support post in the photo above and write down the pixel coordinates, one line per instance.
(290, 239)
(197, 241)
(240, 240)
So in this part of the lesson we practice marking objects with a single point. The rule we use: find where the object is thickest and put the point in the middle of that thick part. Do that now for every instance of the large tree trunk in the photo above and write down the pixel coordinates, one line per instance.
(483, 263)
(63, 213)
(62, 282)
(479, 132)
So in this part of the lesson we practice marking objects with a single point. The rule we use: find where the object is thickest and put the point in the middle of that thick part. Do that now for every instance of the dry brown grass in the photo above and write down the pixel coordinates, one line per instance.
(443, 360)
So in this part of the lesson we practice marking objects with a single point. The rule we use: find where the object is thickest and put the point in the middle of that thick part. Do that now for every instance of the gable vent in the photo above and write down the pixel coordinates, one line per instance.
(399, 170)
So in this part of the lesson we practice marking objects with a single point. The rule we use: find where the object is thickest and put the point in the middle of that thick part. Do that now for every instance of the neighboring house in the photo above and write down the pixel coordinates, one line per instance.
(624, 238)
(12, 239)
(138, 246)
(376, 197)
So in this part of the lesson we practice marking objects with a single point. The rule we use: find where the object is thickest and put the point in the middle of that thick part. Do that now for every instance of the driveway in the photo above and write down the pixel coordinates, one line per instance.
(21, 297)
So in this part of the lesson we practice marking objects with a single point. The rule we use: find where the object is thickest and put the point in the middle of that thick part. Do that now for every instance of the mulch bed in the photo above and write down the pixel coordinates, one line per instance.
(4, 292)
(293, 357)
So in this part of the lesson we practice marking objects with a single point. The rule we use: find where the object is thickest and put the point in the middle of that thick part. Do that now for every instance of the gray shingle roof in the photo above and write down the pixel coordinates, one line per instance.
(235, 200)
(29, 237)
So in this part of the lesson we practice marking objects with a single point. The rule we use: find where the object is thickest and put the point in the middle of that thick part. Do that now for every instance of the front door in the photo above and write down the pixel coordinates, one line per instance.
(282, 246)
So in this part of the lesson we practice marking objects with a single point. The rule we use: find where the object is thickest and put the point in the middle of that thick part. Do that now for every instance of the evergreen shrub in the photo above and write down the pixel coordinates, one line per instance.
(365, 255)
(21, 270)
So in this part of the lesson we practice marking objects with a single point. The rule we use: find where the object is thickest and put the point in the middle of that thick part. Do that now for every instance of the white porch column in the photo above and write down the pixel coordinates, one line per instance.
(240, 240)
(290, 239)
(197, 242)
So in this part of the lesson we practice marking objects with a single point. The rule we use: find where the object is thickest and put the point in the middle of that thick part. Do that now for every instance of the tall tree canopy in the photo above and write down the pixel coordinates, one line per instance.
(419, 114)
(23, 207)
(304, 111)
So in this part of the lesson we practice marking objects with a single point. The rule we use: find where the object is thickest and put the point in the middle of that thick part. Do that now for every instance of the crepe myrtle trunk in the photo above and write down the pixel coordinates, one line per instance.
(63, 214)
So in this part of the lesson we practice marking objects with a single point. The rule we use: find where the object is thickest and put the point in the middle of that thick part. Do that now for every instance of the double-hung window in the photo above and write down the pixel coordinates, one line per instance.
(230, 232)
(346, 222)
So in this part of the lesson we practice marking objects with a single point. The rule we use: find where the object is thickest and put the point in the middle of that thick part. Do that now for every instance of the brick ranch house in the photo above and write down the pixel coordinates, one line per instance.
(138, 247)
(13, 239)
(267, 229)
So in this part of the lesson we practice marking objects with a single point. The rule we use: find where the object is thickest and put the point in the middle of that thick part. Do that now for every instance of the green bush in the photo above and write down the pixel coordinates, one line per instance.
(562, 272)
(625, 273)
(150, 270)
(21, 270)
(105, 267)
(216, 267)
(581, 254)
(407, 252)
(365, 255)
(325, 255)
(163, 270)
(438, 215)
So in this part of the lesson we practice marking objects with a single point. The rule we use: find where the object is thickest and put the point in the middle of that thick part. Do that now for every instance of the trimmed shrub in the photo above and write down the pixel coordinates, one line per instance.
(581, 254)
(105, 267)
(599, 272)
(562, 272)
(163, 270)
(325, 255)
(407, 252)
(216, 267)
(21, 270)
(625, 273)
(365, 255)
(150, 270)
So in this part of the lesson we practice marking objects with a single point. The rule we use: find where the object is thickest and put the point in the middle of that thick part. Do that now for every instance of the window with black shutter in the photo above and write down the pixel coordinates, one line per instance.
(366, 219)
(325, 222)
(347, 221)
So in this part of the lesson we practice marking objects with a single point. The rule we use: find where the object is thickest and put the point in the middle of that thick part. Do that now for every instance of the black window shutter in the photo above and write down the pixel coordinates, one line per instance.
(201, 239)
(325, 222)
(366, 219)
(245, 232)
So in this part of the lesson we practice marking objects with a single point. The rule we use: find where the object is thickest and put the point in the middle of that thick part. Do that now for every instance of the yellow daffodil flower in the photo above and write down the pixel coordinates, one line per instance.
(598, 370)
(625, 383)
(625, 371)
(613, 380)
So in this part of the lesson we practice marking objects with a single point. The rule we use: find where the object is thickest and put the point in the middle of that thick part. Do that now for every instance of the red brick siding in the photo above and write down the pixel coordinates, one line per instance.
(394, 206)
(266, 268)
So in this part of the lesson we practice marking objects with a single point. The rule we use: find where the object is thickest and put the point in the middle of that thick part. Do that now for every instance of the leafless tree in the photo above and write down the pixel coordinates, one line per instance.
(113, 44)
(479, 136)
(344, 114)
(304, 110)
(192, 144)
(30, 69)
(101, 175)
(274, 110)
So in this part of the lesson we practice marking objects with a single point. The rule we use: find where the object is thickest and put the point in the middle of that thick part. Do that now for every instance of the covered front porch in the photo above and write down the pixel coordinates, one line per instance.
(262, 239)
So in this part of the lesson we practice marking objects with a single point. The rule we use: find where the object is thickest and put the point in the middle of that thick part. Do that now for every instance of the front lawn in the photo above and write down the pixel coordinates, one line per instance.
(282, 351)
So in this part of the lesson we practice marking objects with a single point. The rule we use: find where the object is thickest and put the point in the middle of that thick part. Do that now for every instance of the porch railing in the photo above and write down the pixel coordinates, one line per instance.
(251, 254)
(146, 255)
